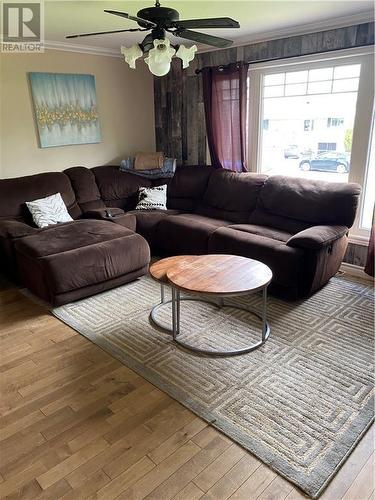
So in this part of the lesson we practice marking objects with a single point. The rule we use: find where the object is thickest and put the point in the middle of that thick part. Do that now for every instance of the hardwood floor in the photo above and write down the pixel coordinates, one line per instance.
(77, 424)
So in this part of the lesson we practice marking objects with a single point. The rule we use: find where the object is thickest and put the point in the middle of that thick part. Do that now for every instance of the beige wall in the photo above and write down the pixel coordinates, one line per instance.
(126, 112)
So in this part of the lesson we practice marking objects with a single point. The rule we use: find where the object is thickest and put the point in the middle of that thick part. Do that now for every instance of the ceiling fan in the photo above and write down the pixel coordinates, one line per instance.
(161, 20)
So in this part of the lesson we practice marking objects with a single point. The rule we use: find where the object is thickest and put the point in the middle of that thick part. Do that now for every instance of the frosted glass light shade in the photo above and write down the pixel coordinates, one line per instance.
(159, 58)
(131, 54)
(186, 54)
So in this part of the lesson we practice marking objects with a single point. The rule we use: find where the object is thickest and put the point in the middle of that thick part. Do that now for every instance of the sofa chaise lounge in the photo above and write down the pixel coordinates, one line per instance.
(298, 227)
(68, 261)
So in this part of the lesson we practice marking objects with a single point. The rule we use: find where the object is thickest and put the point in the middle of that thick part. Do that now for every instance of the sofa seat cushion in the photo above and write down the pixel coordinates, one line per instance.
(286, 263)
(148, 220)
(11, 230)
(77, 255)
(268, 232)
(70, 236)
(117, 215)
(186, 233)
(16, 229)
(261, 218)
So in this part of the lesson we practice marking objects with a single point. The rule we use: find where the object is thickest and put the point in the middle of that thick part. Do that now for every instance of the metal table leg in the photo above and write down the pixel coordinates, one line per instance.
(178, 311)
(264, 316)
(176, 316)
(164, 302)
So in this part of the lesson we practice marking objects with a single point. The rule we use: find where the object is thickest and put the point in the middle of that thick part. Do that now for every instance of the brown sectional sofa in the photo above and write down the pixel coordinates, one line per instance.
(298, 227)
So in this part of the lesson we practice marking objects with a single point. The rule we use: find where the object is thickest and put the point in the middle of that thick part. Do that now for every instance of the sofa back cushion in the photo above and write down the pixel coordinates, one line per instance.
(310, 202)
(187, 187)
(15, 192)
(119, 189)
(85, 188)
(231, 196)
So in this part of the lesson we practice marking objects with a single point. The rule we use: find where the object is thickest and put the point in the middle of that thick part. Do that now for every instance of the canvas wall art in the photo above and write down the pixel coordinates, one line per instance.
(65, 109)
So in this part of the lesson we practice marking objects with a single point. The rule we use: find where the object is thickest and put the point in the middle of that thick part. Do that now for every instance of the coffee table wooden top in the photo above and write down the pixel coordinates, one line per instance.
(212, 274)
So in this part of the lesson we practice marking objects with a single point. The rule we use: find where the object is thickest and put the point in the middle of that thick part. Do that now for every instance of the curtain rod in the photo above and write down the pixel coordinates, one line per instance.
(220, 67)
(269, 59)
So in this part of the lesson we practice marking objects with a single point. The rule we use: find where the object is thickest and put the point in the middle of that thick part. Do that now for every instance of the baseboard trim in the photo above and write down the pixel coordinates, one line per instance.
(356, 271)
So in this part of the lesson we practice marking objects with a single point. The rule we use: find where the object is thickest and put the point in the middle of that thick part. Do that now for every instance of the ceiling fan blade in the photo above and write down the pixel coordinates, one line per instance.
(215, 22)
(215, 41)
(132, 18)
(102, 33)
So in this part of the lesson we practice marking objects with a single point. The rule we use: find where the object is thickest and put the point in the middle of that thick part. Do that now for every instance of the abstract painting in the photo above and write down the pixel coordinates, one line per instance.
(65, 109)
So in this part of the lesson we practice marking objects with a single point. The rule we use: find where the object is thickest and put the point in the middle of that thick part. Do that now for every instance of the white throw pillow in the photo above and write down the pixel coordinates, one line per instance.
(152, 198)
(49, 210)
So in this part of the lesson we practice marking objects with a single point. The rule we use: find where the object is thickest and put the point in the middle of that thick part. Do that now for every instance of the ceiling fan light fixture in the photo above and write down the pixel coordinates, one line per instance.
(160, 68)
(186, 54)
(131, 54)
(160, 57)
(157, 48)
(161, 20)
(162, 50)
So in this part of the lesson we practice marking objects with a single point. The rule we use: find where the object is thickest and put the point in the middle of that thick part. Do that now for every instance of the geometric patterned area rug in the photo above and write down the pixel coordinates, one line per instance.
(300, 403)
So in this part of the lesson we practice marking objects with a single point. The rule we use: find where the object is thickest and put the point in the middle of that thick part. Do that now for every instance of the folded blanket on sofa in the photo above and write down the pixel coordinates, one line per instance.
(147, 161)
(167, 169)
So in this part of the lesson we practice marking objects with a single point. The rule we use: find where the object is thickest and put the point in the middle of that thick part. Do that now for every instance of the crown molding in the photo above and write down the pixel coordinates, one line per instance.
(82, 49)
(302, 29)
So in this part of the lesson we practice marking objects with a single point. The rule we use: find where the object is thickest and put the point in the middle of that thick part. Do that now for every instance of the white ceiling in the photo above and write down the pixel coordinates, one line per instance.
(259, 19)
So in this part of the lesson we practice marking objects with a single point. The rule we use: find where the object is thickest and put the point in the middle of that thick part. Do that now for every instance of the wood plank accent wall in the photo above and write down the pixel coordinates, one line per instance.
(356, 255)
(179, 111)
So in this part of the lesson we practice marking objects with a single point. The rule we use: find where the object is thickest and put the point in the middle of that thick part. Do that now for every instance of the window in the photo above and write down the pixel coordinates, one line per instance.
(308, 125)
(311, 117)
(287, 98)
(326, 146)
(312, 81)
(335, 122)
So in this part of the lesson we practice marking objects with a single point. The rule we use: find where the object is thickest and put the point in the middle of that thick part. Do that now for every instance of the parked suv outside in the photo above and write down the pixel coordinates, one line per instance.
(291, 151)
(331, 161)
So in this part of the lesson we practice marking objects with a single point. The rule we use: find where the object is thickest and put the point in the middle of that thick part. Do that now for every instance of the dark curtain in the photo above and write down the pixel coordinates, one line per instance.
(225, 103)
(369, 268)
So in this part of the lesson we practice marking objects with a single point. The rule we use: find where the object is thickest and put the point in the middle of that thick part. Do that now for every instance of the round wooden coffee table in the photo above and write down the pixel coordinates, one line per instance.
(218, 276)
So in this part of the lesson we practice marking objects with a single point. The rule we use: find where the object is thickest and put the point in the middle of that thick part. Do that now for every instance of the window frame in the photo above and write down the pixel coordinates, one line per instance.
(362, 122)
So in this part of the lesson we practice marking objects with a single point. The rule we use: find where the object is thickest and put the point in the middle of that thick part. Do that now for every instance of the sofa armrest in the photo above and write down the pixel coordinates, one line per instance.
(126, 220)
(317, 237)
(107, 213)
(15, 229)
